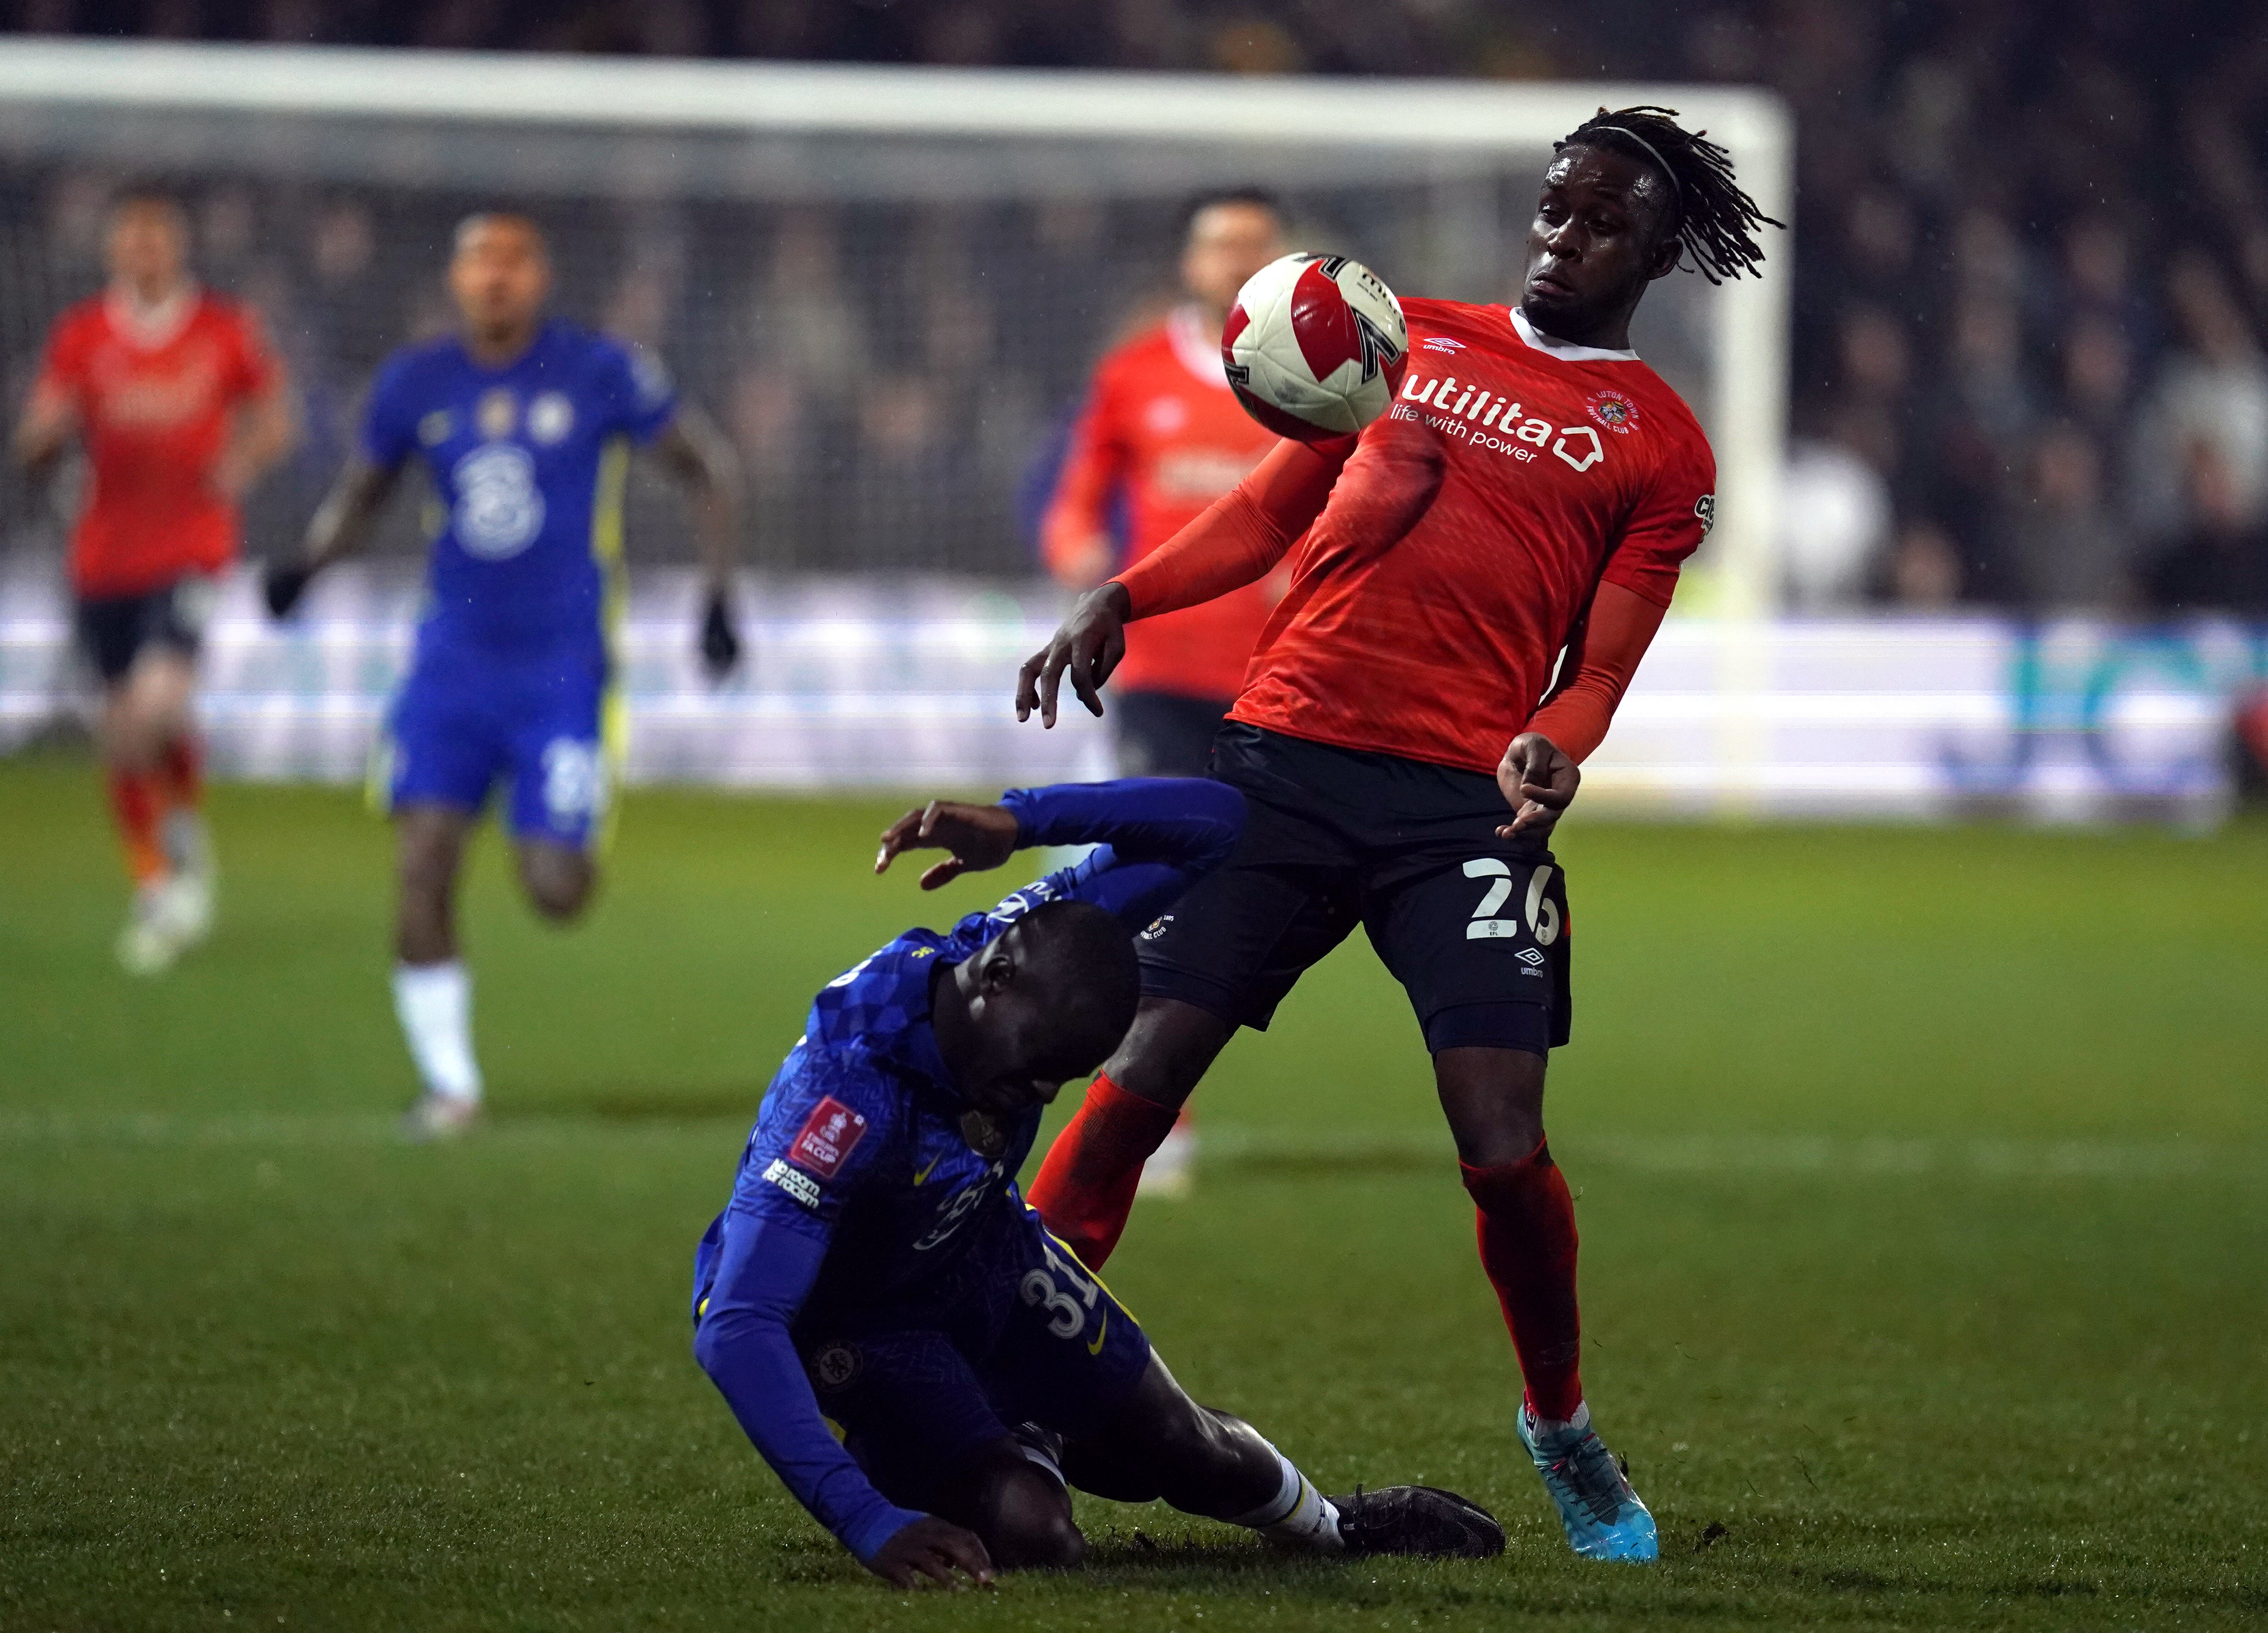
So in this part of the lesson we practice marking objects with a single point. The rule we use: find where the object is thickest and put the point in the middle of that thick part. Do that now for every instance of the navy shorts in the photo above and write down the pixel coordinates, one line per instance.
(114, 628)
(465, 720)
(1474, 927)
(1032, 1336)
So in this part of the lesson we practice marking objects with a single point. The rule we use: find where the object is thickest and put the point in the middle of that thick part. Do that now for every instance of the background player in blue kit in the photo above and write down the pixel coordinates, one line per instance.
(877, 1269)
(526, 424)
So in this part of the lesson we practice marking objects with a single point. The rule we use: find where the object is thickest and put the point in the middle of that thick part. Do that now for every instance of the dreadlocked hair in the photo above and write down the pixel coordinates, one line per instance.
(1715, 220)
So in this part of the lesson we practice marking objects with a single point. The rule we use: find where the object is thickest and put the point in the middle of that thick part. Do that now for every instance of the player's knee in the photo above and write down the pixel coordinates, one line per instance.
(131, 739)
(1031, 1526)
(1169, 1048)
(559, 895)
(1494, 1098)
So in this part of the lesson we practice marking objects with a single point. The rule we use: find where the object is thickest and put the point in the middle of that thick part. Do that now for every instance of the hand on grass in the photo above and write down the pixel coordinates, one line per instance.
(978, 836)
(932, 1548)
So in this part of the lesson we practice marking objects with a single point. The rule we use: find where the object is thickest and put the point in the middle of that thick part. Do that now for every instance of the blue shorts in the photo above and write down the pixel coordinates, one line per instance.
(1034, 1338)
(464, 719)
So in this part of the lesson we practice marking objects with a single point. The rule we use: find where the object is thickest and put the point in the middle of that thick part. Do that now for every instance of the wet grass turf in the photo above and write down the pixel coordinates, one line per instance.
(1923, 1185)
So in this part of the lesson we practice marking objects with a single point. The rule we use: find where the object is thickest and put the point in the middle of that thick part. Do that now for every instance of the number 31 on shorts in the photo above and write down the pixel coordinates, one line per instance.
(1541, 914)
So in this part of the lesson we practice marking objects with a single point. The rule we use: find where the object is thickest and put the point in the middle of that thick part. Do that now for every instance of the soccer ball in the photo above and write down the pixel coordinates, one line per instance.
(1314, 346)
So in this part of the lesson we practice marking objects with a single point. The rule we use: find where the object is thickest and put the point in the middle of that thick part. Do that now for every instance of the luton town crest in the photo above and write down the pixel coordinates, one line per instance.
(1613, 411)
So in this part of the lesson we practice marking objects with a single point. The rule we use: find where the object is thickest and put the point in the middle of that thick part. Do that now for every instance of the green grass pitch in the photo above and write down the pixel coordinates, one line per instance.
(1923, 1176)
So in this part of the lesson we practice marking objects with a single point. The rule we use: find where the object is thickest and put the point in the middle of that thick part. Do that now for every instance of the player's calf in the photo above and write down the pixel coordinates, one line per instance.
(558, 880)
(1207, 1462)
(428, 853)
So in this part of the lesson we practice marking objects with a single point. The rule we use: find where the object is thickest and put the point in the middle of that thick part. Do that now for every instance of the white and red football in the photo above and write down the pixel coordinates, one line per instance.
(1314, 346)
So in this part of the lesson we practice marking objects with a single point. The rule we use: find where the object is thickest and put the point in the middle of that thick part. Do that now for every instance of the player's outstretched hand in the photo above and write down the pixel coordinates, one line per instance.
(281, 584)
(932, 1548)
(978, 836)
(1539, 781)
(720, 638)
(1087, 647)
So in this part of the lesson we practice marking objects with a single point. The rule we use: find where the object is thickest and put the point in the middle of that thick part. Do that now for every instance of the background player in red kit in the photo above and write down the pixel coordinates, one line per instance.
(1532, 492)
(1161, 433)
(180, 406)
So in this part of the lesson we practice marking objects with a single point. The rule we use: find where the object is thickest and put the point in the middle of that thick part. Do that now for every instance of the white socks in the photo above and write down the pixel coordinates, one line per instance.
(435, 1004)
(1547, 1427)
(1299, 1516)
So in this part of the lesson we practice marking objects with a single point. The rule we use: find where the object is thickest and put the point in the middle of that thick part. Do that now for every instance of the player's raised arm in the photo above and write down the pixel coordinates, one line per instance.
(701, 458)
(1075, 539)
(341, 526)
(1235, 542)
(341, 523)
(1156, 836)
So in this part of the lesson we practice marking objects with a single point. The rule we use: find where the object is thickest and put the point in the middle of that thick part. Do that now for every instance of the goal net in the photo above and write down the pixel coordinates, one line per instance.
(887, 284)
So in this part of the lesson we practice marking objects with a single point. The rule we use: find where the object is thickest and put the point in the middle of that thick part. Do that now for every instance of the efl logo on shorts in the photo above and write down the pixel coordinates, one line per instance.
(830, 1135)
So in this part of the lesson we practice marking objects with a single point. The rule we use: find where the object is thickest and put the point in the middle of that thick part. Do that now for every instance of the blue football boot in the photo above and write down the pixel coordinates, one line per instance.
(1602, 1515)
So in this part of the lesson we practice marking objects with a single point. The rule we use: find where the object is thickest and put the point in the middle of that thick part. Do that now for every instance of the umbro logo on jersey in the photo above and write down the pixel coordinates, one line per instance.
(1441, 343)
(1491, 422)
(1528, 955)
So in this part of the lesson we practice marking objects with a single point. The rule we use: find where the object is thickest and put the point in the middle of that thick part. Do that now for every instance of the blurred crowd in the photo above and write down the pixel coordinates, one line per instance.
(2031, 260)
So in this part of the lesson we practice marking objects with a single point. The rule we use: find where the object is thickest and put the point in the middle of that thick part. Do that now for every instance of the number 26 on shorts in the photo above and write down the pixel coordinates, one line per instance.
(1540, 913)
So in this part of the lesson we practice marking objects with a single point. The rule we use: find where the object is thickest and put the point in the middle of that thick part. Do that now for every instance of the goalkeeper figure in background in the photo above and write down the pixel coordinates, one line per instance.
(877, 1276)
(526, 424)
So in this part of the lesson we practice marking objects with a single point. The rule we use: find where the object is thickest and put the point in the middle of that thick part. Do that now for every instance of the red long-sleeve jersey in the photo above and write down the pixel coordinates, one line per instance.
(1521, 498)
(1161, 427)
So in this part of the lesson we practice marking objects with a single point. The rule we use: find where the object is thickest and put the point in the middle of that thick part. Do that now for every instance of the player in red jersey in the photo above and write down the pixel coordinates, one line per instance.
(1163, 432)
(180, 406)
(1401, 739)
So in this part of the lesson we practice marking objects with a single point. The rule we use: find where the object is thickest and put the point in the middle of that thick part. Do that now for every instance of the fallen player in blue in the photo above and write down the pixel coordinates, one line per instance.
(878, 1271)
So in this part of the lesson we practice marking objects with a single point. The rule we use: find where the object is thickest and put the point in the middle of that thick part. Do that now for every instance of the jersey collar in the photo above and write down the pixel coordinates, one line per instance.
(544, 332)
(1538, 341)
(1185, 331)
(151, 327)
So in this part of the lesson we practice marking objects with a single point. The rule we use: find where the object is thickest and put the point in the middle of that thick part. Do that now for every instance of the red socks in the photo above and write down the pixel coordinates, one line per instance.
(180, 775)
(134, 803)
(1084, 1189)
(1526, 1228)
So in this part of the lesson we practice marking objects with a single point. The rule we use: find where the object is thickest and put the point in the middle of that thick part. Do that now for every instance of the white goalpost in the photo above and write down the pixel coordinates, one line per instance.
(651, 129)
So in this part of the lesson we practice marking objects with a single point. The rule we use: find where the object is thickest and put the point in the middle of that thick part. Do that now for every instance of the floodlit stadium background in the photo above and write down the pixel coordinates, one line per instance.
(1994, 471)
(1922, 1164)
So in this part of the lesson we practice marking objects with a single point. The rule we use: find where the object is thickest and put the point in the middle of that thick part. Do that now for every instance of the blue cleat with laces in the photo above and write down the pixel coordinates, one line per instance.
(1602, 1515)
